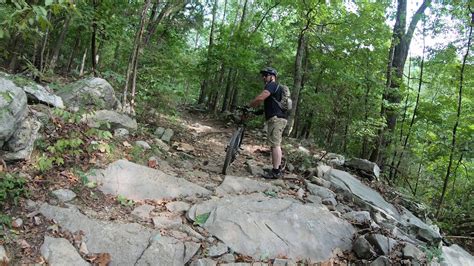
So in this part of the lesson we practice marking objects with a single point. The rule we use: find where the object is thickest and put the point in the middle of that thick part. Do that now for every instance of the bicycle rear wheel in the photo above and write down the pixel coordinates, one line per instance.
(232, 149)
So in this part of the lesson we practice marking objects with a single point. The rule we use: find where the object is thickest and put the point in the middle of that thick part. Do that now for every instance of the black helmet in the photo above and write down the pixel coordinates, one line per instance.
(269, 70)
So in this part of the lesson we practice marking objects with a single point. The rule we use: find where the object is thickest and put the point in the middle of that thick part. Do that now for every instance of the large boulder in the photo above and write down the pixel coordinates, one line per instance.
(21, 144)
(89, 94)
(365, 167)
(114, 119)
(39, 94)
(264, 228)
(13, 108)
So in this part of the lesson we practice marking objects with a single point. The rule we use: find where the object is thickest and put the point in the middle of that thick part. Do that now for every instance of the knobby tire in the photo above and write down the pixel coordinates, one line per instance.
(232, 149)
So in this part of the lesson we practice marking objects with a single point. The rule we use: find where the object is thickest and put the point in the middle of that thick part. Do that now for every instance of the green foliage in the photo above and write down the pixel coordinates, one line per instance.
(202, 218)
(12, 187)
(433, 254)
(76, 141)
(124, 201)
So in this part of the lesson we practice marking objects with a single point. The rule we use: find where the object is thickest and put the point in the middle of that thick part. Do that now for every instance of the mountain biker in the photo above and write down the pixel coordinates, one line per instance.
(276, 118)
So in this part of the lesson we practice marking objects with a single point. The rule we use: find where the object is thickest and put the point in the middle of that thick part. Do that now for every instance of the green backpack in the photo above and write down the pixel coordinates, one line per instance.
(286, 103)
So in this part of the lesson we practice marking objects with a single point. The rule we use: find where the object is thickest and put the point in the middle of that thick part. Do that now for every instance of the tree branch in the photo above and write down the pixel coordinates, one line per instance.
(264, 16)
(416, 17)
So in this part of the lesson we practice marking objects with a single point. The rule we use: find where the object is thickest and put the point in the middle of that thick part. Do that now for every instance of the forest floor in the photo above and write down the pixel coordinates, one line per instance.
(196, 137)
(197, 153)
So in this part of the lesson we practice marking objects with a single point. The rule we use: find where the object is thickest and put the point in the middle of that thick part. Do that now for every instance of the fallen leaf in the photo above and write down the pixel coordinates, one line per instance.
(24, 244)
(126, 144)
(152, 163)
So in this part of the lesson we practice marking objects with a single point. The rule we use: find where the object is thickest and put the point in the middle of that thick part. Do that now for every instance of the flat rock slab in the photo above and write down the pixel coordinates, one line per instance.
(138, 182)
(58, 251)
(128, 244)
(263, 227)
(235, 184)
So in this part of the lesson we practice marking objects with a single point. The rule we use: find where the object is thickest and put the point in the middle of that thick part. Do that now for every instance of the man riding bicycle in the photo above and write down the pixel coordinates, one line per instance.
(275, 117)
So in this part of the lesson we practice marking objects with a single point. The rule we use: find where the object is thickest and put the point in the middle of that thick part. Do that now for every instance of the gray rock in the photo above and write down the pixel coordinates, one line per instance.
(162, 145)
(138, 182)
(21, 144)
(143, 211)
(381, 261)
(362, 248)
(366, 166)
(89, 94)
(121, 133)
(455, 255)
(159, 132)
(384, 213)
(303, 150)
(17, 223)
(64, 195)
(320, 191)
(203, 262)
(321, 170)
(330, 202)
(254, 225)
(383, 245)
(99, 118)
(178, 206)
(167, 251)
(43, 95)
(314, 199)
(234, 185)
(321, 182)
(167, 221)
(167, 135)
(253, 168)
(13, 108)
(58, 251)
(143, 144)
(333, 159)
(3, 255)
(226, 258)
(412, 252)
(218, 249)
(283, 262)
(358, 217)
(102, 236)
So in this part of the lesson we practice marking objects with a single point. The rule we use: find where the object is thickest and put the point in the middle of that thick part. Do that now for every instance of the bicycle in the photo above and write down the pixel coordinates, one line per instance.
(235, 142)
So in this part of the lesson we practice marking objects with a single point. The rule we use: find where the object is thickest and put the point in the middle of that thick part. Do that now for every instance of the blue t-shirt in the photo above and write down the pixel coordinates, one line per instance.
(270, 106)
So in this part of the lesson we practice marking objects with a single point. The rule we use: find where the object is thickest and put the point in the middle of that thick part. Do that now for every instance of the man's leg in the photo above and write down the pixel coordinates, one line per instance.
(276, 157)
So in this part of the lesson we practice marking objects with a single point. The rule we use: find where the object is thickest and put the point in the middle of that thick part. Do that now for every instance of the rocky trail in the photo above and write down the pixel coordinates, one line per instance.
(167, 203)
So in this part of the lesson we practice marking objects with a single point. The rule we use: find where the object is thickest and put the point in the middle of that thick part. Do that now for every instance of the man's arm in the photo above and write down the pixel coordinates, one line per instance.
(259, 99)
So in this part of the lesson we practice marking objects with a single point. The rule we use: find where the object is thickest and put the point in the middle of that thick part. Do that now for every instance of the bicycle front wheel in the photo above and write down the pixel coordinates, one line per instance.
(232, 149)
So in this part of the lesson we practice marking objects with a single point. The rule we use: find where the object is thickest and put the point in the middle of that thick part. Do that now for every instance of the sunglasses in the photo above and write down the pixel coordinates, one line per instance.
(265, 75)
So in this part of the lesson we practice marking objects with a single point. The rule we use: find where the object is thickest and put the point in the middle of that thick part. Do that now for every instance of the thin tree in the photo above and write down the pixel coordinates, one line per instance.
(132, 63)
(456, 124)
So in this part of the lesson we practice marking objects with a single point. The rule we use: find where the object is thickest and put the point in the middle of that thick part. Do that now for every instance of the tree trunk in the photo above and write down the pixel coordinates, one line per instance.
(15, 50)
(456, 124)
(77, 42)
(59, 44)
(81, 72)
(401, 40)
(415, 110)
(298, 75)
(93, 40)
(227, 92)
(132, 63)
(205, 81)
(41, 66)
(297, 81)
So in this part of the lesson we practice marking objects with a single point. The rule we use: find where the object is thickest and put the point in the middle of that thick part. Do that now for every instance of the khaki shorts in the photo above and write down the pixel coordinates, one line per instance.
(275, 129)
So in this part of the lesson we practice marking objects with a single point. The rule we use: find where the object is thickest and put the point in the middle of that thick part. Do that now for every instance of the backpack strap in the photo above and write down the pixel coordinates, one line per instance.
(274, 99)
